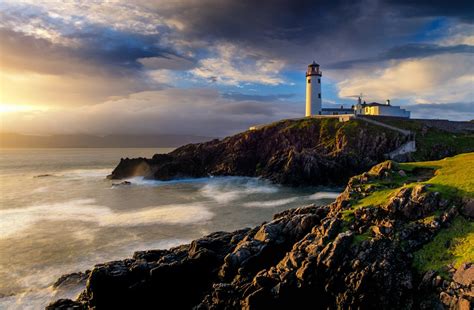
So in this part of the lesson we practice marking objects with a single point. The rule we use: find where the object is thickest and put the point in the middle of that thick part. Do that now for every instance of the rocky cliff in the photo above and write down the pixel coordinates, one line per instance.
(399, 237)
(295, 152)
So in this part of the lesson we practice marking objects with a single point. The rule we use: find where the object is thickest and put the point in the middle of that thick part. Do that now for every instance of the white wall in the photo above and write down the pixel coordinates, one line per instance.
(313, 95)
(309, 91)
(388, 110)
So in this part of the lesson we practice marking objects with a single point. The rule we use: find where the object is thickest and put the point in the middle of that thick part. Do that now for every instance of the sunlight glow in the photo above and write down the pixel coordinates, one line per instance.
(12, 108)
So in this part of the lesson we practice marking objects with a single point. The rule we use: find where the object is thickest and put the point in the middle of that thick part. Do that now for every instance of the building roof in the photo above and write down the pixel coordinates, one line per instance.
(314, 64)
(373, 104)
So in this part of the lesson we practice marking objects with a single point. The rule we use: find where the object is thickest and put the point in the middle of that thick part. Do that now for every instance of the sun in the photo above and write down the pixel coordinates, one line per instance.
(13, 108)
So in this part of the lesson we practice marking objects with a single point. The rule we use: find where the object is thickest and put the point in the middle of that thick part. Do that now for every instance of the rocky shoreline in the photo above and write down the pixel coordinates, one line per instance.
(291, 152)
(343, 255)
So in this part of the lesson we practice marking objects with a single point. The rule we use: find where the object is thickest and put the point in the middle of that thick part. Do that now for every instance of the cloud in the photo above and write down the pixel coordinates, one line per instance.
(463, 111)
(407, 51)
(247, 97)
(178, 111)
(168, 62)
(106, 67)
(232, 66)
(462, 9)
(442, 78)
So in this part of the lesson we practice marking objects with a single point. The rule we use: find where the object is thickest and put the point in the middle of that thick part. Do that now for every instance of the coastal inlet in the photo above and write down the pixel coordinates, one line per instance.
(59, 214)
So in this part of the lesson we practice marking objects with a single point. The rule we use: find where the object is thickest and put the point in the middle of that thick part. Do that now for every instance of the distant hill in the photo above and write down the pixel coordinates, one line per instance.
(13, 140)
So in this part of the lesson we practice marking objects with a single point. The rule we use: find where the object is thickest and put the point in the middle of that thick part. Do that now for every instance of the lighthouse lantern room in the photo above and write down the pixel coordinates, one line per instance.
(313, 90)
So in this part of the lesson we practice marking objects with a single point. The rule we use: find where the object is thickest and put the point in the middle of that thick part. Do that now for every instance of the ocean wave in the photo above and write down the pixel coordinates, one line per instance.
(324, 195)
(270, 203)
(227, 189)
(141, 181)
(85, 173)
(15, 220)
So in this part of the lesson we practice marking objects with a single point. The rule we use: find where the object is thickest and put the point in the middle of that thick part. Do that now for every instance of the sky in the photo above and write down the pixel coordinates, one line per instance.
(216, 67)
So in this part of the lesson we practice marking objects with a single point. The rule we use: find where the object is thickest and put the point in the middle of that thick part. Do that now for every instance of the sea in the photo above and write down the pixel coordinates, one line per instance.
(60, 214)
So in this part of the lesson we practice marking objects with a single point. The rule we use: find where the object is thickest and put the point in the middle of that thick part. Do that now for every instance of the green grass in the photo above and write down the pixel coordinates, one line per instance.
(453, 175)
(453, 245)
(377, 198)
(452, 178)
(433, 138)
(358, 239)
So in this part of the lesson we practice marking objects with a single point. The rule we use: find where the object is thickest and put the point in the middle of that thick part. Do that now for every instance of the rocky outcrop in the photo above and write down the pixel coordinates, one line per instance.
(309, 257)
(295, 152)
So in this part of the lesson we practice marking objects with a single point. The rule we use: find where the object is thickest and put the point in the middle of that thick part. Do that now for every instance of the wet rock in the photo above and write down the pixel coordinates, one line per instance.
(123, 183)
(65, 304)
(72, 279)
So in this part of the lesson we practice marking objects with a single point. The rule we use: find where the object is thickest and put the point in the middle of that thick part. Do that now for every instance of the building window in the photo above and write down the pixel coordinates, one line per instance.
(309, 81)
(319, 95)
(319, 81)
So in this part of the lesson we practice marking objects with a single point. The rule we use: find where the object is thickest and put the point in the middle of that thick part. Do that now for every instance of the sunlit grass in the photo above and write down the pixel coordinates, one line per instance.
(453, 175)
(453, 245)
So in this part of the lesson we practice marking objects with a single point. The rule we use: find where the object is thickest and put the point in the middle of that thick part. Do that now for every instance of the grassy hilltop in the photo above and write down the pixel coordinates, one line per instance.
(452, 179)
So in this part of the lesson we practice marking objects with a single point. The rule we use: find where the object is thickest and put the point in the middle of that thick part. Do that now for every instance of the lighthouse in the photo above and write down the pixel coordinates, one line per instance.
(313, 90)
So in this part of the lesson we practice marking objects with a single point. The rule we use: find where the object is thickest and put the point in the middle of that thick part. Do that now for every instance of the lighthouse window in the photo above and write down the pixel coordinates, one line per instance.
(309, 81)
(319, 95)
(319, 81)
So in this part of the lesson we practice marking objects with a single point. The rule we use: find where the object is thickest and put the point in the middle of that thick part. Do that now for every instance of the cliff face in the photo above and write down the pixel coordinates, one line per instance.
(295, 152)
(371, 248)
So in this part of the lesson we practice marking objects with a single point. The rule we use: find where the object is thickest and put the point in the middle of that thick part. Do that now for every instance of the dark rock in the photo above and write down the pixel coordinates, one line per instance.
(123, 183)
(468, 208)
(308, 257)
(285, 152)
(72, 279)
(65, 304)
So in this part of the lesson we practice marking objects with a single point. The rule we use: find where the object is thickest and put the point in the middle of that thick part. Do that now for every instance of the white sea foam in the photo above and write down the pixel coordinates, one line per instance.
(85, 173)
(324, 195)
(141, 181)
(227, 189)
(39, 190)
(41, 280)
(15, 220)
(269, 203)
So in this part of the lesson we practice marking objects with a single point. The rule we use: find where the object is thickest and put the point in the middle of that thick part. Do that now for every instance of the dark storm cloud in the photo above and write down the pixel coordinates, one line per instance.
(405, 52)
(462, 9)
(327, 30)
(118, 52)
(113, 49)
(293, 31)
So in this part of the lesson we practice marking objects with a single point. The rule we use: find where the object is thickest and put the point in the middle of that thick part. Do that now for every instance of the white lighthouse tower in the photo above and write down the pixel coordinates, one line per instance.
(313, 90)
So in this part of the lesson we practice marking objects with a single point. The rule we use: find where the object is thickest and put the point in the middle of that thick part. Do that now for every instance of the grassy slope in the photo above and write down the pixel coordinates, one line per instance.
(455, 244)
(433, 138)
(453, 176)
(452, 179)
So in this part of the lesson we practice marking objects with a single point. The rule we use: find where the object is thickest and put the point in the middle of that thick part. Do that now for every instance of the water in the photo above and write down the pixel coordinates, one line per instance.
(59, 214)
